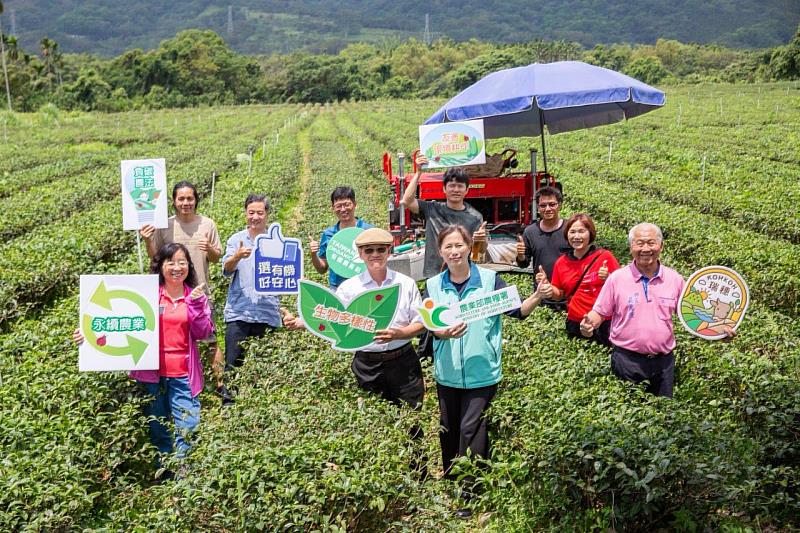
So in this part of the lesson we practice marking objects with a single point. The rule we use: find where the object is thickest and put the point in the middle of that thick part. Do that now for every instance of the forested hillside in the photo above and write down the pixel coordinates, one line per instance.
(110, 27)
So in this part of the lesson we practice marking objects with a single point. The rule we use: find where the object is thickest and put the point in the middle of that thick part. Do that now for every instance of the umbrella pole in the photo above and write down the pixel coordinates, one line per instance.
(541, 130)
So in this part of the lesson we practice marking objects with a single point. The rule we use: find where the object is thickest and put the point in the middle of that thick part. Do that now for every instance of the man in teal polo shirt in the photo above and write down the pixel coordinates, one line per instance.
(343, 203)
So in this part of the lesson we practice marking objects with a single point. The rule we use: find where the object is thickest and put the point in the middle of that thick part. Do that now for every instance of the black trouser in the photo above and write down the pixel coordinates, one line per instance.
(463, 423)
(599, 335)
(658, 371)
(235, 332)
(396, 375)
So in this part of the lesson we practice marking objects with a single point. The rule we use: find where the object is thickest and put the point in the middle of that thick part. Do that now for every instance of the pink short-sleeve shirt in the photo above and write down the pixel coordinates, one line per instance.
(641, 320)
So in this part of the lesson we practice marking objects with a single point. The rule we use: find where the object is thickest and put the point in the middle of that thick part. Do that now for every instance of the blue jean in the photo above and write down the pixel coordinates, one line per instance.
(172, 399)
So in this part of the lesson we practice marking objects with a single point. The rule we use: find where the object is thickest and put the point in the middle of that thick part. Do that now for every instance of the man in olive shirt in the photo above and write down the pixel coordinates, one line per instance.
(199, 235)
(438, 215)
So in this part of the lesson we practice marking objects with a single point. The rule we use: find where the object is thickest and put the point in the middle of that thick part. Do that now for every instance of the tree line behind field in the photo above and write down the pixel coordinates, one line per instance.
(110, 27)
(197, 68)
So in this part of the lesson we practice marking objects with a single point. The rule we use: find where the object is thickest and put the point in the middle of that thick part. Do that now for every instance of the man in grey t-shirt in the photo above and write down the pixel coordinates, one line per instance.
(437, 215)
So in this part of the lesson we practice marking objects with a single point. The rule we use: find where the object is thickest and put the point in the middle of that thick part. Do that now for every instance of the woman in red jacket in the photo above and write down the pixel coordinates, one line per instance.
(579, 275)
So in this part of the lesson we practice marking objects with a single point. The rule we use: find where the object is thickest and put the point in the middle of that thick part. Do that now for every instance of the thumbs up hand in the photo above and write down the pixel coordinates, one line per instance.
(243, 251)
(520, 247)
(197, 291)
(587, 327)
(545, 289)
(204, 243)
(313, 245)
(541, 277)
(603, 272)
(480, 234)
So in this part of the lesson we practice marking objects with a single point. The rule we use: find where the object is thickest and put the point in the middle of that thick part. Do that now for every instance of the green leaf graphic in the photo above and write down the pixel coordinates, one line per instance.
(377, 304)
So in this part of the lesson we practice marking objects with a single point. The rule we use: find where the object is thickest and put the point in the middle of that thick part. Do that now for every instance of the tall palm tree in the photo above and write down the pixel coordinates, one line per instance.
(3, 53)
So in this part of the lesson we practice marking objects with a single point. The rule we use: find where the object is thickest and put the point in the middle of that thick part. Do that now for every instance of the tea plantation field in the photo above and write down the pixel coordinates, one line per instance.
(302, 449)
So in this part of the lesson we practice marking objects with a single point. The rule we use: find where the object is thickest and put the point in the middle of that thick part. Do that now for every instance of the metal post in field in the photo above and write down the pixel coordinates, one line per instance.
(703, 175)
(139, 252)
(610, 148)
(213, 184)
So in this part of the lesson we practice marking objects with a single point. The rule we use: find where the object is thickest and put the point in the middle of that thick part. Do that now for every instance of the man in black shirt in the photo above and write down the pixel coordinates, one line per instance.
(544, 241)
(437, 215)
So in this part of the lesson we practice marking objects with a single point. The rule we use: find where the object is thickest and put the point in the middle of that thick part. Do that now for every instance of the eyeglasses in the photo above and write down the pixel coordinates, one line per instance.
(343, 205)
(548, 204)
(181, 264)
(377, 249)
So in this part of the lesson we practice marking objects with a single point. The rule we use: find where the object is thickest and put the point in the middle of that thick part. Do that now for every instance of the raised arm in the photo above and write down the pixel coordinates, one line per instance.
(409, 199)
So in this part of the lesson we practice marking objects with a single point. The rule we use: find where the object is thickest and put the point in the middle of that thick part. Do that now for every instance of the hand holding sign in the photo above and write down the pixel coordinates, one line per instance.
(603, 272)
(422, 160)
(383, 336)
(453, 332)
(147, 231)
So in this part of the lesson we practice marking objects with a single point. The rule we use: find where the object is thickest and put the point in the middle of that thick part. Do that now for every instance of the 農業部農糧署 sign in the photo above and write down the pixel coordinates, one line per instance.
(436, 316)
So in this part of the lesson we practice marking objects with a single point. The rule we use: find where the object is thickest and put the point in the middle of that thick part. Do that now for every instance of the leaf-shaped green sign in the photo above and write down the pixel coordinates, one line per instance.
(348, 328)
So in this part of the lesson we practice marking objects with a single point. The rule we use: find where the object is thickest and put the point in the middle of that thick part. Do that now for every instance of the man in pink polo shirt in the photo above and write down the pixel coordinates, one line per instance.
(640, 299)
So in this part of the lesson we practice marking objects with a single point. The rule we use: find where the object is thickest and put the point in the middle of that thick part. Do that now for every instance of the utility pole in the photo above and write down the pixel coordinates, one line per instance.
(426, 37)
(230, 20)
(3, 53)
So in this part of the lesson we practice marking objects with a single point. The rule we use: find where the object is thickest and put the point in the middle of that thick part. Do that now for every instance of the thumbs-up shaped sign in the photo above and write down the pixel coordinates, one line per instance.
(278, 262)
(603, 272)
(272, 244)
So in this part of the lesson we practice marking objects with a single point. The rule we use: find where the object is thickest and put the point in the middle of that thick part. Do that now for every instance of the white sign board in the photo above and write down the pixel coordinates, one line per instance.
(441, 316)
(144, 193)
(119, 321)
(453, 144)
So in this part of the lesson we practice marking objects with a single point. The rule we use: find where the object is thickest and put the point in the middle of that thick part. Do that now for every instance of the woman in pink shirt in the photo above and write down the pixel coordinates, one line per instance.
(184, 318)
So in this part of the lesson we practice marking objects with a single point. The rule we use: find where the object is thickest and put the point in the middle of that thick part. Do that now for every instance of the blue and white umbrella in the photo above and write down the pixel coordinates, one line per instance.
(564, 96)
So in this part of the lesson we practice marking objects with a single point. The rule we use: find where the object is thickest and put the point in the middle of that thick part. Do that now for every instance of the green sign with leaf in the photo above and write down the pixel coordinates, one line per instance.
(348, 327)
(342, 254)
